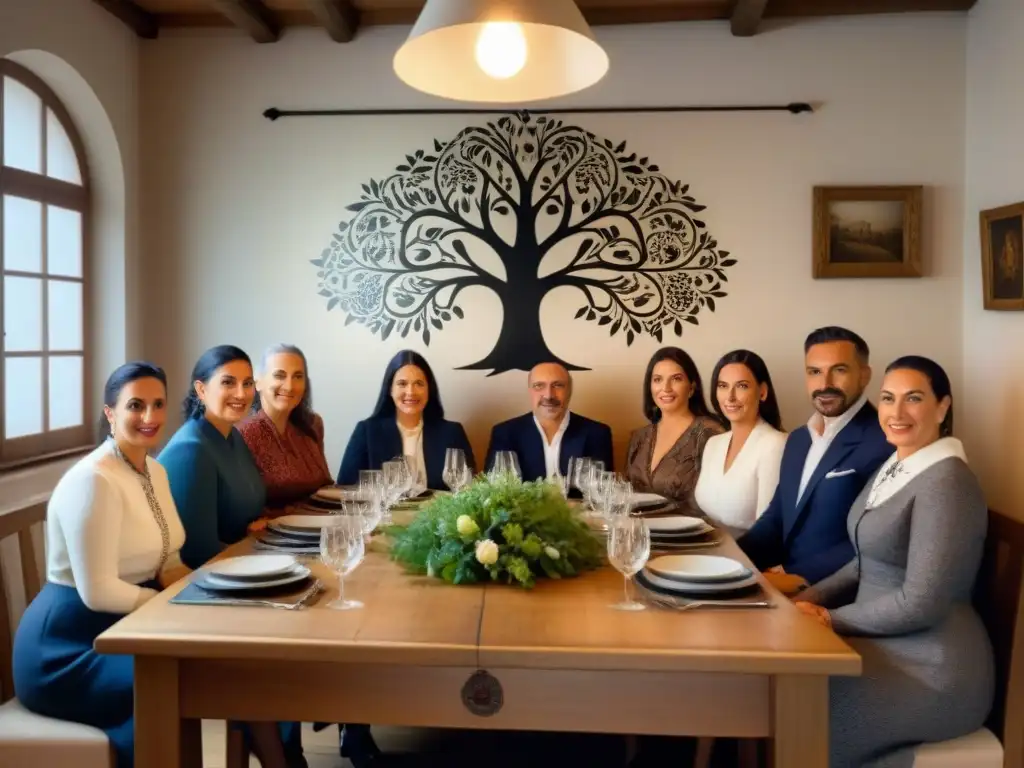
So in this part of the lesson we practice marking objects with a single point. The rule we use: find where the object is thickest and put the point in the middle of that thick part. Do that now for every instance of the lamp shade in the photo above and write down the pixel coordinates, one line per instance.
(500, 50)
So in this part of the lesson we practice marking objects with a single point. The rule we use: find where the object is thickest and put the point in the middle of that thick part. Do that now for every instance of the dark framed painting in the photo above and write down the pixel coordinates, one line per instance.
(1002, 257)
(867, 231)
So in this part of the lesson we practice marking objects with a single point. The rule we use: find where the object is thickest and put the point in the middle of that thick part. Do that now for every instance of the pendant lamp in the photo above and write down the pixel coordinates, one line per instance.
(500, 50)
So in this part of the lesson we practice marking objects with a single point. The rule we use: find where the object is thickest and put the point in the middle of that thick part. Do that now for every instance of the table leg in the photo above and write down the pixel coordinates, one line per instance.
(800, 721)
(163, 739)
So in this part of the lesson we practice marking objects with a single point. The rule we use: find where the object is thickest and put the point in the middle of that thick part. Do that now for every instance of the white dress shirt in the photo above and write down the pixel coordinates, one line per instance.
(736, 497)
(820, 442)
(103, 535)
(552, 450)
(412, 448)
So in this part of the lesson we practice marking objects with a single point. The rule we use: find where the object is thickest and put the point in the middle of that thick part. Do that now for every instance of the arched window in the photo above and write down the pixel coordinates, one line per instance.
(44, 224)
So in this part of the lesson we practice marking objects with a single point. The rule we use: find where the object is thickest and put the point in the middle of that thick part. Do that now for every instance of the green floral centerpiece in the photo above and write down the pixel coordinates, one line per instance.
(497, 529)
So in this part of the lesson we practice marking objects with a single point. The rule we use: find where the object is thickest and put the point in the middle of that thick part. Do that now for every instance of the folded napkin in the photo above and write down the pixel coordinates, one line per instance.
(291, 597)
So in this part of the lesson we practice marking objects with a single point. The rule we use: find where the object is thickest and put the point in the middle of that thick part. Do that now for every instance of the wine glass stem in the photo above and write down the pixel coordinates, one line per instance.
(625, 587)
(341, 587)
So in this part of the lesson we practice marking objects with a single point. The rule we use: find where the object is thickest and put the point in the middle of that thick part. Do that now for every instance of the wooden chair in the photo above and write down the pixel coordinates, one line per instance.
(25, 737)
(999, 598)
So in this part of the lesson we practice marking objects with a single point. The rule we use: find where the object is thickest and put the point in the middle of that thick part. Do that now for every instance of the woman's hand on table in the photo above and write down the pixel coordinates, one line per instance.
(816, 612)
(786, 583)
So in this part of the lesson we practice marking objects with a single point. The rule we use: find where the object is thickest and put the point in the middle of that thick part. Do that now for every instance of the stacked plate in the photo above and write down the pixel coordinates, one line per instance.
(251, 572)
(299, 534)
(651, 503)
(677, 530)
(696, 576)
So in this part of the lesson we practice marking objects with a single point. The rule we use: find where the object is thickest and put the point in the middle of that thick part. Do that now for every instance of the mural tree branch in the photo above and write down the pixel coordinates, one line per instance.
(558, 206)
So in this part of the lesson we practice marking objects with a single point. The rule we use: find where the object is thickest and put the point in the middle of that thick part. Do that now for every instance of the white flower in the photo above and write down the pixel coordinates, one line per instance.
(486, 552)
(551, 552)
(466, 525)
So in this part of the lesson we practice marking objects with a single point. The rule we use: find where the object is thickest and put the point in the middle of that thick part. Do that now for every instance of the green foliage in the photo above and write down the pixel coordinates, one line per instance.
(534, 532)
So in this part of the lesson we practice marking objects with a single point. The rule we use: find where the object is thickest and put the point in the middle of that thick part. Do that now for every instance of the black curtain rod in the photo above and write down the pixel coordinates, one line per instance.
(793, 108)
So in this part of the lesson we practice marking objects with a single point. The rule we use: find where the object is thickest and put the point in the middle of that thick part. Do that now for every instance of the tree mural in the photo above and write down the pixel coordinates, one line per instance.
(557, 206)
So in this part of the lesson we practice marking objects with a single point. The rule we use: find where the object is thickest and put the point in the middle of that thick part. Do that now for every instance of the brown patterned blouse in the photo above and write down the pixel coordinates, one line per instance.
(676, 475)
(292, 465)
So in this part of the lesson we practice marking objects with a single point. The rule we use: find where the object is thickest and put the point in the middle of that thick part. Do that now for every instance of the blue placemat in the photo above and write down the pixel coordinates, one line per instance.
(293, 596)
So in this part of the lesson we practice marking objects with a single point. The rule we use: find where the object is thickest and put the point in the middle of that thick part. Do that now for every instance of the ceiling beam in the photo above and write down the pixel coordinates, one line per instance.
(339, 17)
(746, 17)
(857, 7)
(142, 23)
(252, 17)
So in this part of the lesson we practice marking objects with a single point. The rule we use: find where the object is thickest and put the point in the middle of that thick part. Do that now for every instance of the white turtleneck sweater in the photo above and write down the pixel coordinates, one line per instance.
(103, 537)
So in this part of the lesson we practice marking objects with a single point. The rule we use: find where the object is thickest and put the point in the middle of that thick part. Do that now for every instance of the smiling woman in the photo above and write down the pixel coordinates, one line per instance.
(408, 420)
(284, 435)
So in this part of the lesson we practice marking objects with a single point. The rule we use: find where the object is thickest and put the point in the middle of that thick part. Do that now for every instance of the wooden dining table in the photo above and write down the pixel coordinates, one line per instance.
(425, 653)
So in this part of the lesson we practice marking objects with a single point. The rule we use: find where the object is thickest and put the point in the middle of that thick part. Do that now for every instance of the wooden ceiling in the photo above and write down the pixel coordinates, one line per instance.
(266, 20)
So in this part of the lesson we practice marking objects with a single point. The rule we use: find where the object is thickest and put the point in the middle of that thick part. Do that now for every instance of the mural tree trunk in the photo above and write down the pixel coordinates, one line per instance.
(557, 207)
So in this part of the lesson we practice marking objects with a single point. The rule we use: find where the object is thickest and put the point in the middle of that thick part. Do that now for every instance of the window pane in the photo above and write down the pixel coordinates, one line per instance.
(65, 310)
(63, 242)
(23, 396)
(23, 124)
(23, 234)
(61, 160)
(65, 392)
(23, 314)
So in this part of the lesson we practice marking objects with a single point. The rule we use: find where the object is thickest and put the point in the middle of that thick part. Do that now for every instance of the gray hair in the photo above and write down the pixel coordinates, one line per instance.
(281, 349)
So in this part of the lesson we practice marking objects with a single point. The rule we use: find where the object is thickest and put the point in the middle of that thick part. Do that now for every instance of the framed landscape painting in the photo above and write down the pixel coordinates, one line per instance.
(1002, 257)
(867, 231)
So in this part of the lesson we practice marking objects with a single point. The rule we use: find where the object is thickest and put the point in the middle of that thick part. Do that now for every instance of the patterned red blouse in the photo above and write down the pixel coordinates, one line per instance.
(292, 465)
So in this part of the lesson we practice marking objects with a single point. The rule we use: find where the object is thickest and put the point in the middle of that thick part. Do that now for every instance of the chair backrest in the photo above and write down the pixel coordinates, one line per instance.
(999, 598)
(18, 521)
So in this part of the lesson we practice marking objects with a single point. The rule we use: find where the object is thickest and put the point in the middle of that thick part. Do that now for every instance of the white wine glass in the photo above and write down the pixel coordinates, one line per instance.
(506, 462)
(454, 472)
(342, 549)
(629, 547)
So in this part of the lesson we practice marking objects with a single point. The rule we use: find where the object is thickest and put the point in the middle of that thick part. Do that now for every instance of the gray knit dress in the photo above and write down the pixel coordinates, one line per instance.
(904, 604)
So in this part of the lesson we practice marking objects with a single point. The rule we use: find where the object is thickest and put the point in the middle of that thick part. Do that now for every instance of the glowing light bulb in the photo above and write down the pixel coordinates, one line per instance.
(501, 49)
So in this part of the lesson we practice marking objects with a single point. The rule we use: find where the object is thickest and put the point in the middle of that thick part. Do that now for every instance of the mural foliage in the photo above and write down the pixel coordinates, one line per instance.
(550, 206)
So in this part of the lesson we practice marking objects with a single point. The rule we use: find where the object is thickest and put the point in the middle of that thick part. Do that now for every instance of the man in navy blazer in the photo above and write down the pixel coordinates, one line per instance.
(545, 439)
(825, 465)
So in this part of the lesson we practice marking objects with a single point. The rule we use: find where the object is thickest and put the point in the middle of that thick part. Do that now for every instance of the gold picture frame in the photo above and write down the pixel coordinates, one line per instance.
(1002, 257)
(867, 231)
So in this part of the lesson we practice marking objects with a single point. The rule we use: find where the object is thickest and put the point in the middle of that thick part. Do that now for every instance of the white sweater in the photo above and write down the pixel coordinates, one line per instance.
(738, 497)
(102, 536)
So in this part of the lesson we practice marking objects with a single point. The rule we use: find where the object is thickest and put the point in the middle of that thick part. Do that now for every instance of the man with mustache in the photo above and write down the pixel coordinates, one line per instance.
(801, 537)
(545, 439)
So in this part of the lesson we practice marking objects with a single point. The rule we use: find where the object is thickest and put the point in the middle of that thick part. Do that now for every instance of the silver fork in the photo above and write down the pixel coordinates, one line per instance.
(678, 604)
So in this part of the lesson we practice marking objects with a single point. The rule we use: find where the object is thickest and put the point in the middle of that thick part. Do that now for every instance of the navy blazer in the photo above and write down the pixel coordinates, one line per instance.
(809, 538)
(583, 437)
(376, 440)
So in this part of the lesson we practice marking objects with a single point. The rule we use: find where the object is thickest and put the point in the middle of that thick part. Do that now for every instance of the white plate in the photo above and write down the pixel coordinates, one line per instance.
(252, 566)
(212, 581)
(673, 524)
(648, 499)
(681, 535)
(696, 567)
(698, 587)
(332, 492)
(303, 523)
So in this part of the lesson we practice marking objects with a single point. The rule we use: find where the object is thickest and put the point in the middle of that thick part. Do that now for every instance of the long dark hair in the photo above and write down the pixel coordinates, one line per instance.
(302, 414)
(121, 377)
(767, 409)
(938, 379)
(698, 405)
(212, 359)
(433, 411)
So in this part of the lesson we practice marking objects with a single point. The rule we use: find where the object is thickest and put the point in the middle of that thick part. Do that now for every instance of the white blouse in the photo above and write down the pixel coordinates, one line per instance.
(737, 497)
(412, 448)
(104, 536)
